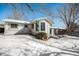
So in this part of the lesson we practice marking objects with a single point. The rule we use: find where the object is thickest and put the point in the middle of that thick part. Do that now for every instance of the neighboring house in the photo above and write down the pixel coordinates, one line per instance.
(12, 26)
(58, 31)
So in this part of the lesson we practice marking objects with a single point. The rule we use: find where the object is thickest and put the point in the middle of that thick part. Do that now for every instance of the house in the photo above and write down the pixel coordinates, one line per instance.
(58, 31)
(12, 26)
(41, 25)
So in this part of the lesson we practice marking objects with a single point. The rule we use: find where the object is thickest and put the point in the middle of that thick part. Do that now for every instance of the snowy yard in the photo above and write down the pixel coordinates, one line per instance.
(26, 45)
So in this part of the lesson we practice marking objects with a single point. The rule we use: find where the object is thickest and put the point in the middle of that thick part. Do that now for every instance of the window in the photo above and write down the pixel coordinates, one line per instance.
(37, 27)
(13, 25)
(32, 26)
(42, 26)
(50, 31)
(25, 26)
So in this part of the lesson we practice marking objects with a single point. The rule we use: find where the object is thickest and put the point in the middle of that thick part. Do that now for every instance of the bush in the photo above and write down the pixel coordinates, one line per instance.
(42, 36)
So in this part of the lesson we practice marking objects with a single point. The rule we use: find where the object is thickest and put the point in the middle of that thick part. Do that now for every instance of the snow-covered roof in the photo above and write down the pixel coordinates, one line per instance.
(16, 21)
(57, 28)
(43, 18)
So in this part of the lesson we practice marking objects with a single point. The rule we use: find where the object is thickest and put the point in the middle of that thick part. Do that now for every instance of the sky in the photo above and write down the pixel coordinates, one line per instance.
(6, 11)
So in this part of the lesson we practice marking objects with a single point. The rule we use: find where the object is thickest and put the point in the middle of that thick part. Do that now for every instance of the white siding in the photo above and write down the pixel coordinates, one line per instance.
(20, 29)
(52, 34)
(47, 27)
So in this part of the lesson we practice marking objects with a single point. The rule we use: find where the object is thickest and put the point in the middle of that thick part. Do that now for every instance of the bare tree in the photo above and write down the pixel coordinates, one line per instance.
(47, 12)
(69, 14)
(18, 10)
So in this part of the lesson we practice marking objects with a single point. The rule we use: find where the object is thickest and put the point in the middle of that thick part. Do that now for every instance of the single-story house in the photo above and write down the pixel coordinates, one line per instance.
(12, 26)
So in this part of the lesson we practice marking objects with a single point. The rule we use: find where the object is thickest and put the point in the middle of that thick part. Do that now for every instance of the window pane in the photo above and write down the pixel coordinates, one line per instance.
(25, 26)
(42, 26)
(32, 26)
(37, 27)
(50, 31)
(13, 25)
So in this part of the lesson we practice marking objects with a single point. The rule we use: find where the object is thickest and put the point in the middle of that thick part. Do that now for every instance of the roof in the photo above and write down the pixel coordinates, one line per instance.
(44, 18)
(16, 21)
(57, 28)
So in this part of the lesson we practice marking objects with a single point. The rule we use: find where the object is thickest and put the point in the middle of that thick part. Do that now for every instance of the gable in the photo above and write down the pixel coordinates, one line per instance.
(40, 20)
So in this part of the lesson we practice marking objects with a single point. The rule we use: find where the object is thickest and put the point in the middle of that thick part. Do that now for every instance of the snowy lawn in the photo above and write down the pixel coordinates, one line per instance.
(26, 45)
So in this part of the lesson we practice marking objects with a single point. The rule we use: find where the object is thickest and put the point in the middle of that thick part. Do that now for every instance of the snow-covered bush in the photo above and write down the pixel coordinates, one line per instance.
(41, 35)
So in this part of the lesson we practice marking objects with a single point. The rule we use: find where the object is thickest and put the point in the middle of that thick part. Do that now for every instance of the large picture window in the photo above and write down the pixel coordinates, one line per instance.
(42, 26)
(13, 25)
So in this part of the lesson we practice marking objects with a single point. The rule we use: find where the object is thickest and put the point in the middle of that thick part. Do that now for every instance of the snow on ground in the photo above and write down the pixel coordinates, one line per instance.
(26, 45)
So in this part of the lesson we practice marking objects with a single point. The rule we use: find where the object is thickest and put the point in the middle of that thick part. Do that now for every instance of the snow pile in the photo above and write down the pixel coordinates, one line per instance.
(17, 45)
(25, 45)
